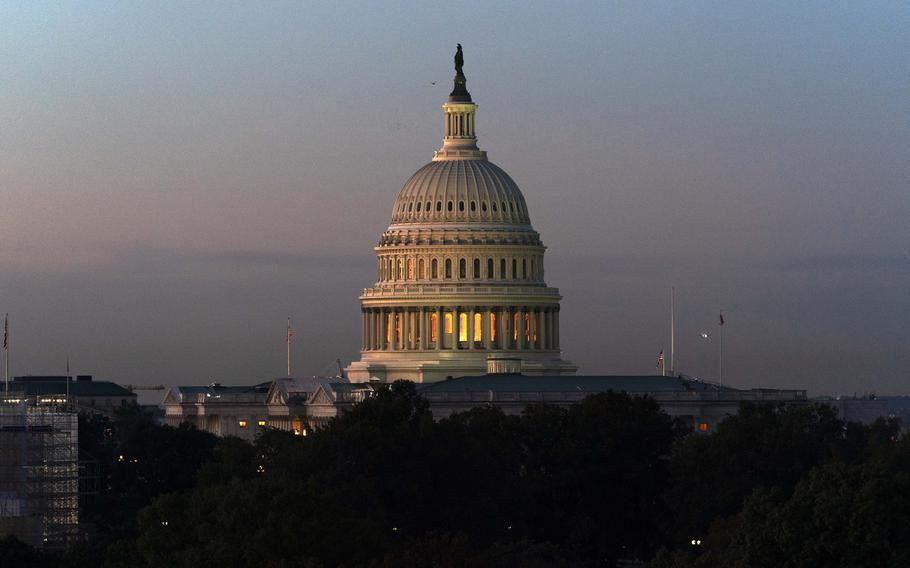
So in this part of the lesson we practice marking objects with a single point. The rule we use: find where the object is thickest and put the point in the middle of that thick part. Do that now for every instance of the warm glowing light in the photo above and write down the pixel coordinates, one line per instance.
(261, 423)
(478, 327)
(433, 325)
(462, 327)
(242, 423)
(703, 427)
(492, 326)
(448, 323)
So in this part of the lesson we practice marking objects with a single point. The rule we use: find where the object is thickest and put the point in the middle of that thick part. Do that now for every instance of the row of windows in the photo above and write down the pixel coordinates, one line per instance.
(399, 268)
(496, 207)
(394, 328)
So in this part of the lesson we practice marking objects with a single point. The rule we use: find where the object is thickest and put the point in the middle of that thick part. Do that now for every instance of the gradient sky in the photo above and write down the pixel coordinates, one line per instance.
(177, 178)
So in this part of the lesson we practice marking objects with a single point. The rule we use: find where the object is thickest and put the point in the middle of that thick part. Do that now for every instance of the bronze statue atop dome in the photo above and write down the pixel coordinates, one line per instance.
(459, 60)
(460, 92)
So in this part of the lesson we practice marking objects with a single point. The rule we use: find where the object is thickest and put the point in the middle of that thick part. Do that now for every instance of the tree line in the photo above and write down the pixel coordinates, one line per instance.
(610, 481)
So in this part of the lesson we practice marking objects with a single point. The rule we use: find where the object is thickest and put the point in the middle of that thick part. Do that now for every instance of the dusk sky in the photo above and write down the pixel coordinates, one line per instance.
(178, 178)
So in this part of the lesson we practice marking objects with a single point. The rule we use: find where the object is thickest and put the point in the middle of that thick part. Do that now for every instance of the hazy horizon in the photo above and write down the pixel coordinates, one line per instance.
(177, 179)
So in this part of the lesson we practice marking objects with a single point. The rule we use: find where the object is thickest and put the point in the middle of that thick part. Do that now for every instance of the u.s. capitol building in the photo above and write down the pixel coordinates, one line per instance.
(460, 271)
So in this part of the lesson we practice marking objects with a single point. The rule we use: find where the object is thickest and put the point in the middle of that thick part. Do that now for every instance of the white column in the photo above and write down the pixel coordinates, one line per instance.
(471, 327)
(405, 329)
(456, 328)
(485, 324)
(521, 328)
(439, 328)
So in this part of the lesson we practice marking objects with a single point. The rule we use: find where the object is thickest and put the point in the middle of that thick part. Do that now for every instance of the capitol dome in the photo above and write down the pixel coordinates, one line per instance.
(468, 190)
(459, 271)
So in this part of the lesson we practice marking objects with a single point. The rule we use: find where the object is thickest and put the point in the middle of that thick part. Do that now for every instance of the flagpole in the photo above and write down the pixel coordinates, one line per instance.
(721, 373)
(6, 349)
(673, 330)
(289, 347)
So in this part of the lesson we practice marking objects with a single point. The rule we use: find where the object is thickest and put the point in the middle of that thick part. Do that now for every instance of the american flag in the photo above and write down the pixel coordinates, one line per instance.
(660, 358)
(6, 333)
(721, 319)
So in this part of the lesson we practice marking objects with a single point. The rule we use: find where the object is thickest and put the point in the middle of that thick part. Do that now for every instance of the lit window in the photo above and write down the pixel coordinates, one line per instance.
(527, 326)
(492, 326)
(242, 423)
(447, 323)
(702, 426)
(515, 326)
(261, 423)
(433, 323)
(400, 269)
(478, 327)
(462, 326)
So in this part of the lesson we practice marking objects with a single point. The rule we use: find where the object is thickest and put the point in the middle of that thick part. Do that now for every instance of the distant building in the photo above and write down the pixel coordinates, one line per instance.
(865, 410)
(699, 404)
(87, 394)
(292, 404)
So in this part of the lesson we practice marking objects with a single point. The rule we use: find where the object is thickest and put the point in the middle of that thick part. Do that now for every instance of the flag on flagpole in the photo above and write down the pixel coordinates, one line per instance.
(660, 358)
(6, 333)
(721, 322)
(290, 331)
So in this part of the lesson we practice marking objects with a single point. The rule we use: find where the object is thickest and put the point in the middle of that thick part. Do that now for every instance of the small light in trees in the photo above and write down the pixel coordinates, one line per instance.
(163, 523)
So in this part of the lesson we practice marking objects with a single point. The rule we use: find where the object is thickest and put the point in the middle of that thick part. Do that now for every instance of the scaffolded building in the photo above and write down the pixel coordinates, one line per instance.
(39, 470)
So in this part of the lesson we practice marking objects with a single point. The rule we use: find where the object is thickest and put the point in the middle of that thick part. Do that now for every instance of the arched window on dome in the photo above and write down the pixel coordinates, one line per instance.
(410, 269)
(514, 269)
(462, 269)
(419, 203)
(524, 268)
(502, 269)
(450, 206)
(448, 268)
(434, 269)
(476, 268)
(429, 207)
(511, 207)
(502, 205)
(473, 206)
(483, 206)
(410, 207)
(421, 270)
(490, 268)
(438, 206)
(494, 207)
(461, 206)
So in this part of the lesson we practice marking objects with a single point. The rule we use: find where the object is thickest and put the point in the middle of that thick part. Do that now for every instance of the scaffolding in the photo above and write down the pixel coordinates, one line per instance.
(39, 470)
